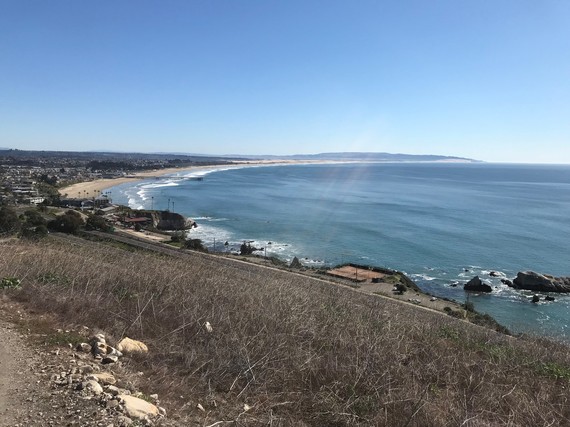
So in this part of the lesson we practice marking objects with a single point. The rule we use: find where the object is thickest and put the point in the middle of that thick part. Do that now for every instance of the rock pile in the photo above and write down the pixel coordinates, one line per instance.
(91, 381)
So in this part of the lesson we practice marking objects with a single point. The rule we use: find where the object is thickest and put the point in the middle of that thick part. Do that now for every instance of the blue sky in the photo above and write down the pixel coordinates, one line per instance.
(482, 79)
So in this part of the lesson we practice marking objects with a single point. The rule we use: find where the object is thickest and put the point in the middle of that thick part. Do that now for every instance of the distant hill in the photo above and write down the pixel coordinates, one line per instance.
(372, 157)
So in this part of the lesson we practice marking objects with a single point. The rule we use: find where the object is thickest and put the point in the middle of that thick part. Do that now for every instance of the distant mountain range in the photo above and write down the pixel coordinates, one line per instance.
(371, 157)
(346, 156)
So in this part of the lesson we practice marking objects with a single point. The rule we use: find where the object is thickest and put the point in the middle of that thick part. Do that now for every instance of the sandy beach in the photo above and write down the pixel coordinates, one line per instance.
(90, 188)
(80, 189)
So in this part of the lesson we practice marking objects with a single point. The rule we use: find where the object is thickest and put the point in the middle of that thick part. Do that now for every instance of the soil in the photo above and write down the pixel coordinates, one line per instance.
(29, 361)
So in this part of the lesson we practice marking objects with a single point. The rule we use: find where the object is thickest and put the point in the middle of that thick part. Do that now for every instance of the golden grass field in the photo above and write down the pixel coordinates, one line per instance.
(299, 351)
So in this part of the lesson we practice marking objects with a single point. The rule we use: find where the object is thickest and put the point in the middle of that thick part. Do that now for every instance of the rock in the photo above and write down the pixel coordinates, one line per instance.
(109, 359)
(115, 391)
(138, 408)
(112, 404)
(549, 298)
(127, 345)
(507, 282)
(99, 349)
(83, 347)
(532, 281)
(99, 338)
(111, 351)
(535, 298)
(104, 378)
(476, 285)
(296, 263)
(494, 274)
(123, 421)
(92, 386)
(208, 327)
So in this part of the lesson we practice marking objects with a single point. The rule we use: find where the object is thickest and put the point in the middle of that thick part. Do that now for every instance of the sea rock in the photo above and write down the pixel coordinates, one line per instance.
(507, 282)
(138, 408)
(127, 345)
(493, 274)
(549, 298)
(476, 285)
(537, 282)
(535, 298)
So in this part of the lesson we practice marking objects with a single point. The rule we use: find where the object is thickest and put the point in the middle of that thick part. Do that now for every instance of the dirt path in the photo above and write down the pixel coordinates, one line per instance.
(15, 375)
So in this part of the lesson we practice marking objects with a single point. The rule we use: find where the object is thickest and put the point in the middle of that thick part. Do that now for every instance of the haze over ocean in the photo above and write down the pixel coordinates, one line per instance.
(433, 221)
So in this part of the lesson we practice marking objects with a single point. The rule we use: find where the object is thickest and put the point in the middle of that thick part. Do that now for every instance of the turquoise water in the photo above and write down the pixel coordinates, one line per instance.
(433, 221)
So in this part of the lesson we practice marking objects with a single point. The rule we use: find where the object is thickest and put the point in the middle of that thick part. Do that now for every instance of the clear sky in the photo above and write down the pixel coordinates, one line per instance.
(487, 79)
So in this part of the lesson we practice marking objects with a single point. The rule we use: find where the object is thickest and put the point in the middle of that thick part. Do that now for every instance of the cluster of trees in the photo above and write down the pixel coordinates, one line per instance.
(32, 223)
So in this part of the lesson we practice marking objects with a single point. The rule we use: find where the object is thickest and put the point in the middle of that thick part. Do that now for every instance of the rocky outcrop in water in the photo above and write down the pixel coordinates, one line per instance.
(532, 281)
(477, 285)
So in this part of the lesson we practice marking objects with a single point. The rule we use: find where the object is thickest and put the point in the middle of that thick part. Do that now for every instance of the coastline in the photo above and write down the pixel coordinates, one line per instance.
(100, 185)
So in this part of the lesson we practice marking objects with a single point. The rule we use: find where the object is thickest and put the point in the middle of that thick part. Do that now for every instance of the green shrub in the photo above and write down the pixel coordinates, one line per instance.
(195, 244)
(10, 283)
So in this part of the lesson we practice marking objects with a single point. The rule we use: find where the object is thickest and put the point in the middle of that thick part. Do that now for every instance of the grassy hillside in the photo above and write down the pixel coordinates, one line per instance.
(299, 351)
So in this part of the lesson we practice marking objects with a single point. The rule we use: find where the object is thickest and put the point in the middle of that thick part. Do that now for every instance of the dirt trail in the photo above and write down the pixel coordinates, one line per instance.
(15, 375)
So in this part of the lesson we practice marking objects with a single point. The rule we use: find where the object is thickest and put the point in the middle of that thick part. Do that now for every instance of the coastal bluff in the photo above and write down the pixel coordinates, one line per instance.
(166, 220)
(532, 281)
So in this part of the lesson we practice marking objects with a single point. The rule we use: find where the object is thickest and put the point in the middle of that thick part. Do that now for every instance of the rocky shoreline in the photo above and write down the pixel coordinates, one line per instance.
(525, 280)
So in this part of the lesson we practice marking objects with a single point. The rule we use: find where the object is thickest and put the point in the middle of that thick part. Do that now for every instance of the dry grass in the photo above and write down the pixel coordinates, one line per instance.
(299, 351)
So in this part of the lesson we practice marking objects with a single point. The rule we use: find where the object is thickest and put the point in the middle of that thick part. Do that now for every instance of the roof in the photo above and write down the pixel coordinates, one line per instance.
(140, 219)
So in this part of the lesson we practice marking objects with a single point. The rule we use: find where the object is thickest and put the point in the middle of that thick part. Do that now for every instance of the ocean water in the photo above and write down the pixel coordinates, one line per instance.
(442, 224)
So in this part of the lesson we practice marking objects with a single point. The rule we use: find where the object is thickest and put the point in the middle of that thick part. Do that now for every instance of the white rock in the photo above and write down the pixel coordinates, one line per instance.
(92, 386)
(104, 378)
(127, 345)
(138, 408)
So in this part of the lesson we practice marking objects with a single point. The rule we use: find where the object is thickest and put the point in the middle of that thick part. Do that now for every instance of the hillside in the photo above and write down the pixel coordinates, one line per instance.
(296, 350)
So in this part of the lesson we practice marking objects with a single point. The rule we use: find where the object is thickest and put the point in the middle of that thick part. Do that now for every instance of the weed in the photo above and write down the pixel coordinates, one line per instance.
(10, 283)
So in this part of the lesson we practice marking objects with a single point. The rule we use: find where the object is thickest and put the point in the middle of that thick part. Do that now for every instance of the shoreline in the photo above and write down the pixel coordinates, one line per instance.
(89, 188)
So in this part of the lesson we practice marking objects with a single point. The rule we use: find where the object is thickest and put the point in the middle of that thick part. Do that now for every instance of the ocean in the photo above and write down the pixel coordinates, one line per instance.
(440, 223)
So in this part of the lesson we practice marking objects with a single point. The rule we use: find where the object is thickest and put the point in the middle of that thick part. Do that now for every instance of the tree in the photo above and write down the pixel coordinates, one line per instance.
(33, 217)
(34, 226)
(246, 249)
(69, 222)
(34, 233)
(195, 244)
(401, 288)
(9, 221)
(95, 222)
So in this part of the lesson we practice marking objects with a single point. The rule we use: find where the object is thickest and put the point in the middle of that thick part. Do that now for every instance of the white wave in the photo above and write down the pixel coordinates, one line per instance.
(160, 185)
(423, 277)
